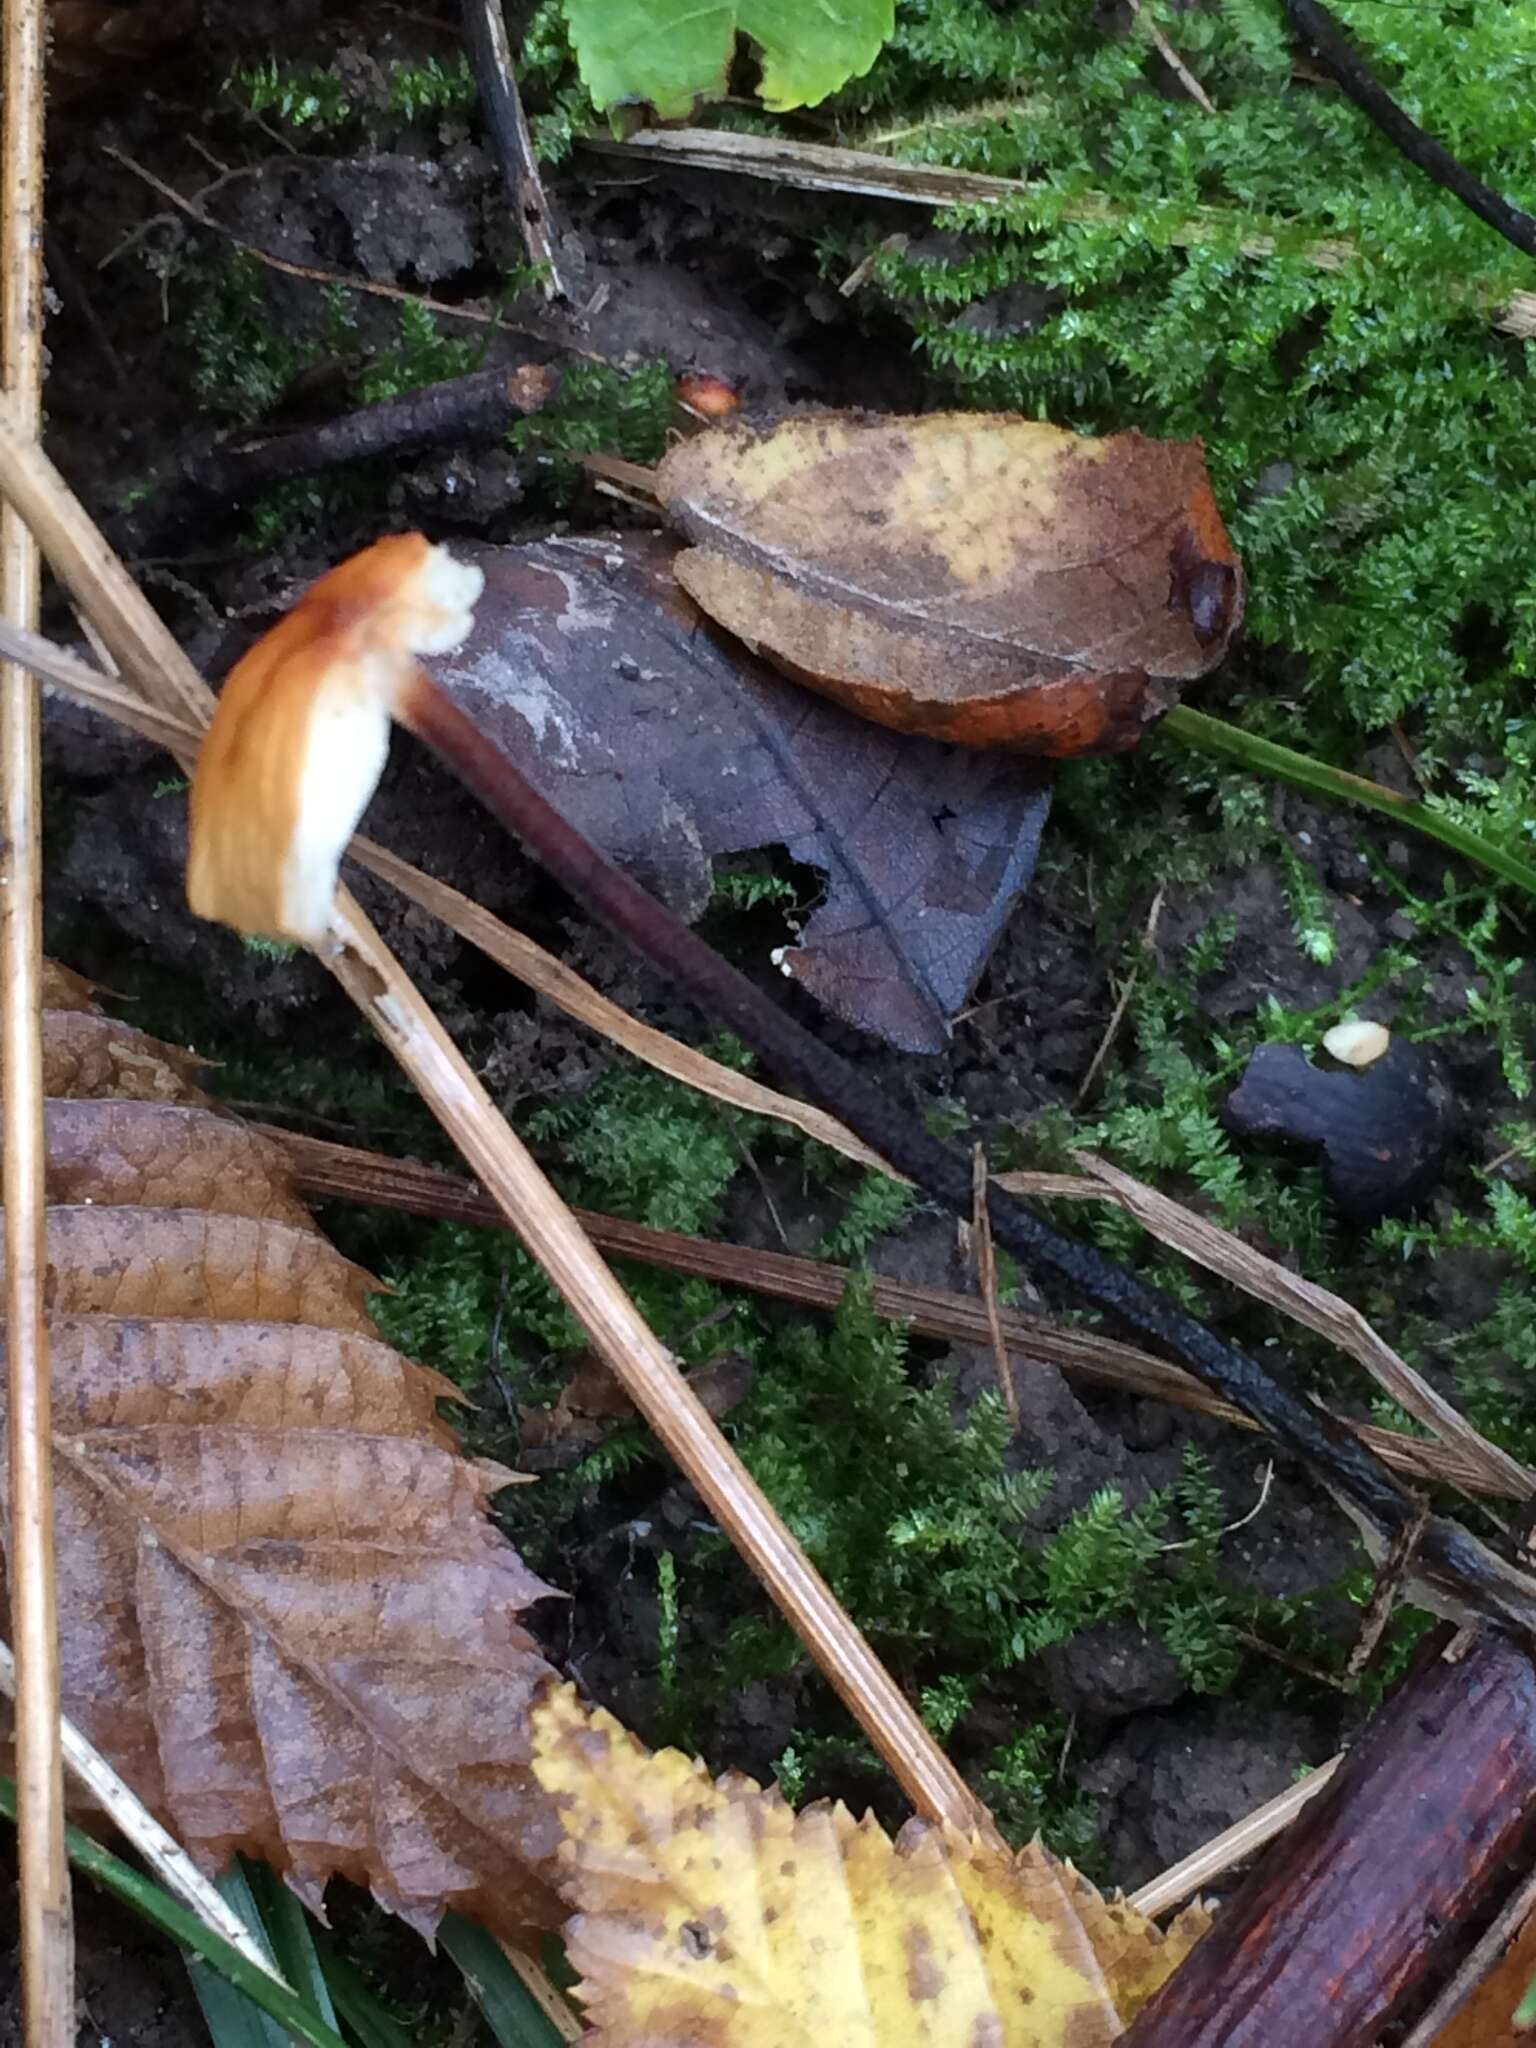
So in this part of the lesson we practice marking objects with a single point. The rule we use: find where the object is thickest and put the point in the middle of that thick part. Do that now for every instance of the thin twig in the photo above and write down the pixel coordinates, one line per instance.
(212, 486)
(349, 281)
(1122, 1004)
(820, 167)
(127, 1812)
(1172, 59)
(1311, 19)
(1315, 1308)
(986, 1285)
(1233, 1845)
(1390, 1578)
(149, 656)
(345, 1173)
(490, 54)
(47, 1939)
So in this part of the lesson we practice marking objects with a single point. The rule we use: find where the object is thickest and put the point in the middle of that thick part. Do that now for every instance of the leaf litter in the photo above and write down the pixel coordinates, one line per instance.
(975, 577)
(291, 1624)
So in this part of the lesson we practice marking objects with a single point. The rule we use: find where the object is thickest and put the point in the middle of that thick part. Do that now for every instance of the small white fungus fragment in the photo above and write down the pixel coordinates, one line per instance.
(1357, 1045)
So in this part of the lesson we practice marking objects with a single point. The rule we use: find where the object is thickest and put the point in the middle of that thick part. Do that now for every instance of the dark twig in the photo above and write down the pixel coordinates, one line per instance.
(490, 54)
(1450, 1559)
(1311, 19)
(483, 402)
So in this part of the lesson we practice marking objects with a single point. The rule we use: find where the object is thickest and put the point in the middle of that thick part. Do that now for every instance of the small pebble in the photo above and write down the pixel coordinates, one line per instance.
(1358, 1044)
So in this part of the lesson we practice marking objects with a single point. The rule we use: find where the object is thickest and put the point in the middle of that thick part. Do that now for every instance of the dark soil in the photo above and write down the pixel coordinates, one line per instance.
(720, 278)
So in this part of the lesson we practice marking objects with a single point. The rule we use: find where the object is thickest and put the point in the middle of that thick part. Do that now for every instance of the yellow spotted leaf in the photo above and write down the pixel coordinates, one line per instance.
(710, 1912)
(974, 577)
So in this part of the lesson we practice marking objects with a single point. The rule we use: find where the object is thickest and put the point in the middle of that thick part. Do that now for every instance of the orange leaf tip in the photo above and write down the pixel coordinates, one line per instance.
(301, 733)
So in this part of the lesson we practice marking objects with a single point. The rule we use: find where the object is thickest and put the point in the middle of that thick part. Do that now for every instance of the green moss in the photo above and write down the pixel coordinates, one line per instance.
(1367, 429)
(597, 408)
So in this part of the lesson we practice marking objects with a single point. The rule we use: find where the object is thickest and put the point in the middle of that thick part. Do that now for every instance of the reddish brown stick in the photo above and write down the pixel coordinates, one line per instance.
(347, 1173)
(1343, 1914)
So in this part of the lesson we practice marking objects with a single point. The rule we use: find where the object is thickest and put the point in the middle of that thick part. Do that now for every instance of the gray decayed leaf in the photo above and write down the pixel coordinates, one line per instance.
(666, 743)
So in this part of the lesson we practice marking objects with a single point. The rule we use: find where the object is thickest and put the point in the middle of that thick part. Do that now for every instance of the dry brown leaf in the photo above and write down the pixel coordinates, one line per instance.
(975, 577)
(167, 1155)
(86, 1055)
(666, 745)
(709, 1911)
(289, 1621)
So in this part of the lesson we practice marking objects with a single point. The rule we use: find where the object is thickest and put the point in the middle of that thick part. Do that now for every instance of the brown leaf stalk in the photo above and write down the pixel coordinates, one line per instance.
(47, 1941)
(148, 655)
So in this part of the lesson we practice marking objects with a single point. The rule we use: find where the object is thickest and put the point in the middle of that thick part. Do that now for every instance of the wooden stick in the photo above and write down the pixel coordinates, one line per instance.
(1342, 1915)
(490, 54)
(47, 1945)
(148, 655)
(214, 485)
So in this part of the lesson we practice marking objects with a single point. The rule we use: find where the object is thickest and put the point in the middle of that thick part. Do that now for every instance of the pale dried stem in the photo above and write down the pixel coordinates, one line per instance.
(541, 1988)
(166, 1857)
(149, 656)
(552, 978)
(47, 1940)
(1315, 1308)
(984, 1254)
(1233, 1845)
(1172, 59)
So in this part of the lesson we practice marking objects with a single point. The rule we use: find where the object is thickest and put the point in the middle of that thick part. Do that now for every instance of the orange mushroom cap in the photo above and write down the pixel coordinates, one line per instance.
(301, 733)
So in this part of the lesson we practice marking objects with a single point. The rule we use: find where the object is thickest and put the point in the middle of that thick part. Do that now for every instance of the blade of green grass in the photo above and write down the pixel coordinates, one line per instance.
(1224, 742)
(233, 2021)
(359, 2005)
(157, 1907)
(290, 1933)
(511, 2011)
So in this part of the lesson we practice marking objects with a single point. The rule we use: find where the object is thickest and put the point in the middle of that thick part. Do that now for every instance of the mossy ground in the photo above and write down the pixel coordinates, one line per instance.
(1368, 427)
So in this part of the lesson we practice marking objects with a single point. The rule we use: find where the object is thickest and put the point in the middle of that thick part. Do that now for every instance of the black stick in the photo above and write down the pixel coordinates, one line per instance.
(1312, 20)
(1446, 1553)
(484, 402)
(490, 56)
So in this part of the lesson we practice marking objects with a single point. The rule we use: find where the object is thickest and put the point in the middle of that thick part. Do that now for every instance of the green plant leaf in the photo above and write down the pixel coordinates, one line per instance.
(672, 52)
(511, 2011)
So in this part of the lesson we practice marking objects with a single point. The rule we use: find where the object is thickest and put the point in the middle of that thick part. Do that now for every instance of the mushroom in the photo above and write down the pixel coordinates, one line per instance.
(301, 732)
